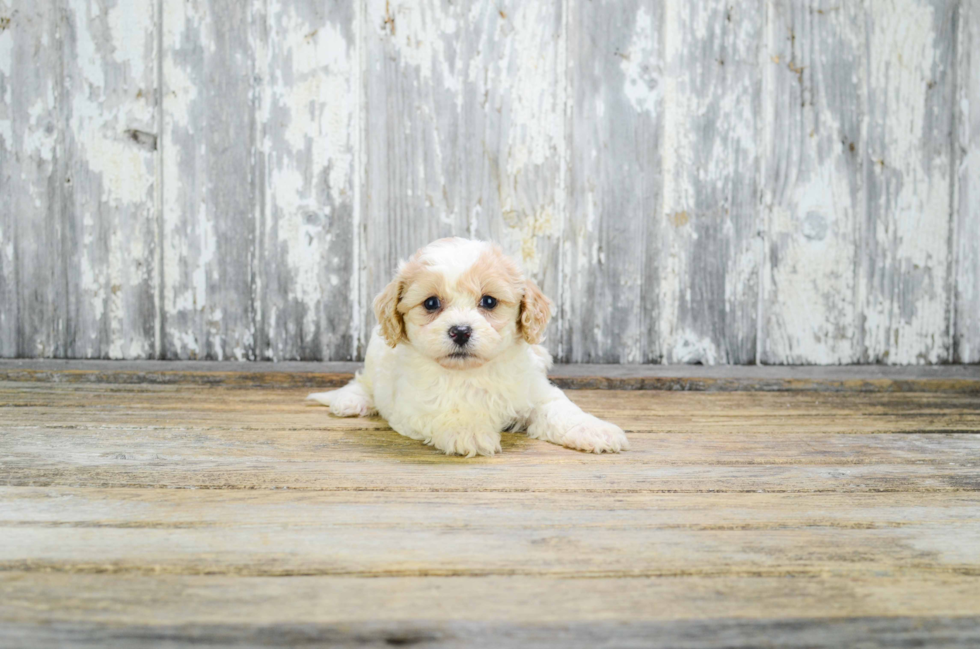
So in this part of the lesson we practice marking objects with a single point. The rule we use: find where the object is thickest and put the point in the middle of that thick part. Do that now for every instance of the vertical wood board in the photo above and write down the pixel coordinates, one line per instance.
(616, 72)
(966, 158)
(35, 313)
(209, 189)
(904, 259)
(304, 243)
(813, 195)
(710, 250)
(110, 74)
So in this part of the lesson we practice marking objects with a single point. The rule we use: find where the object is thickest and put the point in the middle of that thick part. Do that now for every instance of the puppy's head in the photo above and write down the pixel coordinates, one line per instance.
(461, 303)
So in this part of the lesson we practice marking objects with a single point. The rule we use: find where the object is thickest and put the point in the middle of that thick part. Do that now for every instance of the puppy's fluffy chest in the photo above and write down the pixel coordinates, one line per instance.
(497, 393)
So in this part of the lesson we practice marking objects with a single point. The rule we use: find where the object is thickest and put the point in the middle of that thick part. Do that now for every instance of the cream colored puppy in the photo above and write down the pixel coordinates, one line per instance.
(455, 358)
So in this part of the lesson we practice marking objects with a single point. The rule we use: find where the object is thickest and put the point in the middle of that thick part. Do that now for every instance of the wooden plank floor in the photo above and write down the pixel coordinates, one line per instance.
(173, 514)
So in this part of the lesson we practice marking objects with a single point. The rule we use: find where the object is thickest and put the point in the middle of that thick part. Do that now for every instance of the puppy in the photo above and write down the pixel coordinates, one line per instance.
(455, 358)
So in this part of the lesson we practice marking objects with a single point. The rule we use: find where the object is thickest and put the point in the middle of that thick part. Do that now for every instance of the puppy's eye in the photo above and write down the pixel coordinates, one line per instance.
(487, 302)
(431, 304)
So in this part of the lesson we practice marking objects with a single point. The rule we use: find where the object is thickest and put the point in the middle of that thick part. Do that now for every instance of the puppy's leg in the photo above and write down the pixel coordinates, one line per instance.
(352, 400)
(556, 419)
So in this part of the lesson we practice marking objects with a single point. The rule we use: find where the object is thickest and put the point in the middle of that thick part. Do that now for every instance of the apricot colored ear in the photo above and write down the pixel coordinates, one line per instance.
(386, 310)
(535, 313)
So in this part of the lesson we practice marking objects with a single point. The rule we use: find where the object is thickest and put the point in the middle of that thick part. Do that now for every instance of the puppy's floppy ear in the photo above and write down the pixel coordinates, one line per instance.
(535, 313)
(386, 310)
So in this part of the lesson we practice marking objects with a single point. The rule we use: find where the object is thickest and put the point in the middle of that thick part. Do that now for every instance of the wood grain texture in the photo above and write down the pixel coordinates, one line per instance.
(380, 460)
(710, 249)
(905, 253)
(966, 158)
(220, 438)
(116, 611)
(110, 106)
(304, 239)
(209, 189)
(79, 531)
(134, 514)
(813, 195)
(35, 314)
(616, 71)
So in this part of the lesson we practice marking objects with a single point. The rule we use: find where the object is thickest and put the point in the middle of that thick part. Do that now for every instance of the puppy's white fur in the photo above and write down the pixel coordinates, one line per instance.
(459, 400)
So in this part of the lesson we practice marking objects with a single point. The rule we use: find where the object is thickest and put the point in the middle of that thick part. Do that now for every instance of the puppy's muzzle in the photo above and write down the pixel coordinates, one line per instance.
(460, 334)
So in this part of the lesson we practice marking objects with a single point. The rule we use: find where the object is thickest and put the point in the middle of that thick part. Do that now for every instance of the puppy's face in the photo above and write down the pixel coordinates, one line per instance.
(461, 303)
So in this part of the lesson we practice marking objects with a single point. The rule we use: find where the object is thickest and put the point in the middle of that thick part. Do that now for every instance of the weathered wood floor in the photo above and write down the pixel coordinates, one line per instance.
(180, 514)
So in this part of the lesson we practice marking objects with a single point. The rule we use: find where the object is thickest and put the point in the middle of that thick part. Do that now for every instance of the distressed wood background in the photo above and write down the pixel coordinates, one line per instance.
(774, 181)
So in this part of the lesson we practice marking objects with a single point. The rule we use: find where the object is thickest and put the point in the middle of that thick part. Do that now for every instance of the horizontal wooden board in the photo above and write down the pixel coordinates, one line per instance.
(636, 410)
(253, 601)
(123, 531)
(869, 632)
(199, 447)
(225, 438)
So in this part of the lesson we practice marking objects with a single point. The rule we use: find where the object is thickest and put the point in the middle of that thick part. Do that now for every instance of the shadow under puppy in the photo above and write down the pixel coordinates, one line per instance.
(455, 358)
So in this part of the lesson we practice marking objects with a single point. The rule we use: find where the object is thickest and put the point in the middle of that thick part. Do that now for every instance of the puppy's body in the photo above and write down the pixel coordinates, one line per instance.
(456, 375)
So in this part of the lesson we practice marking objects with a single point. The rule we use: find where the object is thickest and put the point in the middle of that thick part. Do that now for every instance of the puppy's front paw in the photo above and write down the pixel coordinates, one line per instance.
(596, 436)
(351, 405)
(346, 402)
(468, 444)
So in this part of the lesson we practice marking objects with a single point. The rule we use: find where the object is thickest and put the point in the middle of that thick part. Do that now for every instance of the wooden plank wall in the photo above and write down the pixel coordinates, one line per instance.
(774, 181)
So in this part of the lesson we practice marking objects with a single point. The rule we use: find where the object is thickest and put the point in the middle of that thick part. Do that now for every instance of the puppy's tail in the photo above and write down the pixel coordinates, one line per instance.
(322, 398)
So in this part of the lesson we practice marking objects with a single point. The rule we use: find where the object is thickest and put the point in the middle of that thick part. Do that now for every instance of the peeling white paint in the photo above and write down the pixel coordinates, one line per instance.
(524, 78)
(320, 98)
(678, 191)
(99, 121)
(965, 323)
(496, 78)
(87, 56)
(126, 170)
(92, 277)
(812, 197)
(303, 241)
(688, 347)
(815, 271)
(41, 139)
(643, 82)
(537, 124)
(179, 90)
(912, 230)
(128, 23)
(309, 102)
(6, 56)
(180, 93)
(6, 70)
(6, 133)
(189, 239)
(7, 245)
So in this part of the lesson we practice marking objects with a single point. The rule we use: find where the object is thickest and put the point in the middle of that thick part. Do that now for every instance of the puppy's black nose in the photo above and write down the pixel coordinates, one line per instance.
(460, 334)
